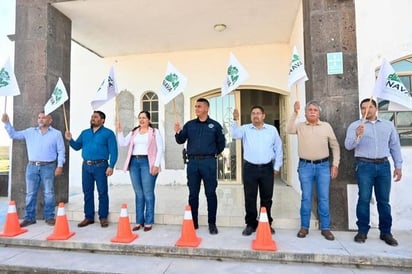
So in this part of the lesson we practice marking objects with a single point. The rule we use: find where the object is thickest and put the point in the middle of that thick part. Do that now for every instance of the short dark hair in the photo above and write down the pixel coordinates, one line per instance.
(101, 114)
(258, 107)
(373, 102)
(203, 100)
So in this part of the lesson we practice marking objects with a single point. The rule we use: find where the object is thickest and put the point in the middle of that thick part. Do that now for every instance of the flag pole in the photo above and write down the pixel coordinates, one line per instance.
(5, 104)
(364, 116)
(65, 117)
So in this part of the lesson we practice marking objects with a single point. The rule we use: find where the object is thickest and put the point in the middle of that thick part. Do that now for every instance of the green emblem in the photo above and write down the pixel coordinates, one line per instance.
(394, 77)
(295, 58)
(174, 79)
(233, 73)
(56, 96)
(4, 78)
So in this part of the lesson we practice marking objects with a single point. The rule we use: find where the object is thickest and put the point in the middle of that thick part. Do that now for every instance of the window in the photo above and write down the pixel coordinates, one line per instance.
(402, 119)
(150, 103)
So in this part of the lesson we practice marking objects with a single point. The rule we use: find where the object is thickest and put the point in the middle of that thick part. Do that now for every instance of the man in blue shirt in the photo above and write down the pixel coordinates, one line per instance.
(374, 140)
(263, 157)
(46, 152)
(205, 140)
(99, 146)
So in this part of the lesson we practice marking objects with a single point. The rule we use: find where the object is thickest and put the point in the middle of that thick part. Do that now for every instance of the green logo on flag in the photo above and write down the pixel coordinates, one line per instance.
(56, 96)
(173, 78)
(4, 78)
(393, 81)
(295, 58)
(233, 73)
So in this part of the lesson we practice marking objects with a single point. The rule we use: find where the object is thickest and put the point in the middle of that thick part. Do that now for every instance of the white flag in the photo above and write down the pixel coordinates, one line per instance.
(297, 71)
(172, 84)
(235, 75)
(8, 82)
(107, 90)
(388, 86)
(58, 97)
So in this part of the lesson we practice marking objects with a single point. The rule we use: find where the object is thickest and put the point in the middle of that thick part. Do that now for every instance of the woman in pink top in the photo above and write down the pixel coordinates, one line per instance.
(143, 162)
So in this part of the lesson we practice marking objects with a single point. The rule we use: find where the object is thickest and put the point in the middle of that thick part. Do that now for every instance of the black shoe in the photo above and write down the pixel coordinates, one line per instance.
(51, 221)
(389, 239)
(360, 237)
(213, 229)
(248, 230)
(27, 223)
(272, 230)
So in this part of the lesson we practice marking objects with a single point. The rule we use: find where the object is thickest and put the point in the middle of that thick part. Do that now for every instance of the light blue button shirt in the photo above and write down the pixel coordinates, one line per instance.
(380, 139)
(42, 147)
(260, 145)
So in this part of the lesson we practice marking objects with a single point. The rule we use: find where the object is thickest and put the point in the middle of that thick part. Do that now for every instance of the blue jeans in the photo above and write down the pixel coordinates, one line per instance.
(143, 184)
(319, 175)
(90, 174)
(377, 176)
(40, 176)
(206, 170)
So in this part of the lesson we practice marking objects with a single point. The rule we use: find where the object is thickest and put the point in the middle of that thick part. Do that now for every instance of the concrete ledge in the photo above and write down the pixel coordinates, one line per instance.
(229, 244)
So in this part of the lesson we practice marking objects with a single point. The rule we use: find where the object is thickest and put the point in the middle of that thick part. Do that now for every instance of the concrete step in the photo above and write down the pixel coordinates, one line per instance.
(171, 201)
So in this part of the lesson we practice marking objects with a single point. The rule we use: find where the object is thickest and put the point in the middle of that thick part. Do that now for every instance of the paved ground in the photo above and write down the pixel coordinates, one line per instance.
(91, 250)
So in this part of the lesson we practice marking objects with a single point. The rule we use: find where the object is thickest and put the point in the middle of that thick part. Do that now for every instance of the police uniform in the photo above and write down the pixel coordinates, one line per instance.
(205, 140)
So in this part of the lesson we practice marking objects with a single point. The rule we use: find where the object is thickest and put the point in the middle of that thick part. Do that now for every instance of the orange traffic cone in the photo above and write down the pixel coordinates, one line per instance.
(188, 236)
(61, 228)
(124, 232)
(263, 239)
(12, 227)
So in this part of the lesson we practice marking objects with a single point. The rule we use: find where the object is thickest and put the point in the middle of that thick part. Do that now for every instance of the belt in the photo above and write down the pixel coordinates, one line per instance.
(369, 160)
(258, 165)
(314, 161)
(201, 157)
(39, 163)
(95, 162)
(140, 156)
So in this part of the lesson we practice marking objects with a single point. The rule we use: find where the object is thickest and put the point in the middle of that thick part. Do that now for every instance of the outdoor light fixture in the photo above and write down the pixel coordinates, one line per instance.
(219, 27)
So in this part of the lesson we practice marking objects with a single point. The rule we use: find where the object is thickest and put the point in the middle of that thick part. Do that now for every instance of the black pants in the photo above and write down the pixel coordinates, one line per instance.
(257, 177)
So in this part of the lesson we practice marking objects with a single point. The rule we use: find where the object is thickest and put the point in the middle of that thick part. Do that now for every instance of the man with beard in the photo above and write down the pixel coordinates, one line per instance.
(99, 146)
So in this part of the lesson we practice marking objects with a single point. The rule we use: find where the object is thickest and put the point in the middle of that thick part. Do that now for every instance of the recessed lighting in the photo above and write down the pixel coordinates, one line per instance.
(219, 27)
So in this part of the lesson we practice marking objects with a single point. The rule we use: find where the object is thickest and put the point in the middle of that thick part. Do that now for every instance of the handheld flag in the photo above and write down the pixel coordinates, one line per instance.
(107, 90)
(388, 86)
(172, 84)
(235, 75)
(297, 71)
(8, 82)
(58, 97)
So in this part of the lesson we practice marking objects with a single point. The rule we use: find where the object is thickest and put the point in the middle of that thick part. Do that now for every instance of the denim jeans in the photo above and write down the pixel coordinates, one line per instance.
(206, 170)
(143, 184)
(377, 176)
(37, 176)
(318, 175)
(257, 178)
(90, 174)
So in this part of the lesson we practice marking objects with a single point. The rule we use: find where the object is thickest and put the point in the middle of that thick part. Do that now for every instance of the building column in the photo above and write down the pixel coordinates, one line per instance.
(42, 55)
(329, 26)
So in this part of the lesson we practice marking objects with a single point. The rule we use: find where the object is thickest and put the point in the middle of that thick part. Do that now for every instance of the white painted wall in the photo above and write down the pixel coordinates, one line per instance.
(206, 69)
(384, 32)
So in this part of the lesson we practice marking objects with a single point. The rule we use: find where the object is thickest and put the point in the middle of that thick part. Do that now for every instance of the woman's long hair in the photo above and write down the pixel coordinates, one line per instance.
(147, 116)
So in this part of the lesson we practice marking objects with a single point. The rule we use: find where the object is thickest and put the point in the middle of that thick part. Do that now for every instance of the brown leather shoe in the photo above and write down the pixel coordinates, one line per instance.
(85, 222)
(104, 223)
(136, 227)
(328, 235)
(302, 232)
(51, 221)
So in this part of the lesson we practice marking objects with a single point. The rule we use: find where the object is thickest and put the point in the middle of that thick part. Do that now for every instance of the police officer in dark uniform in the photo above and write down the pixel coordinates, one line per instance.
(205, 140)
